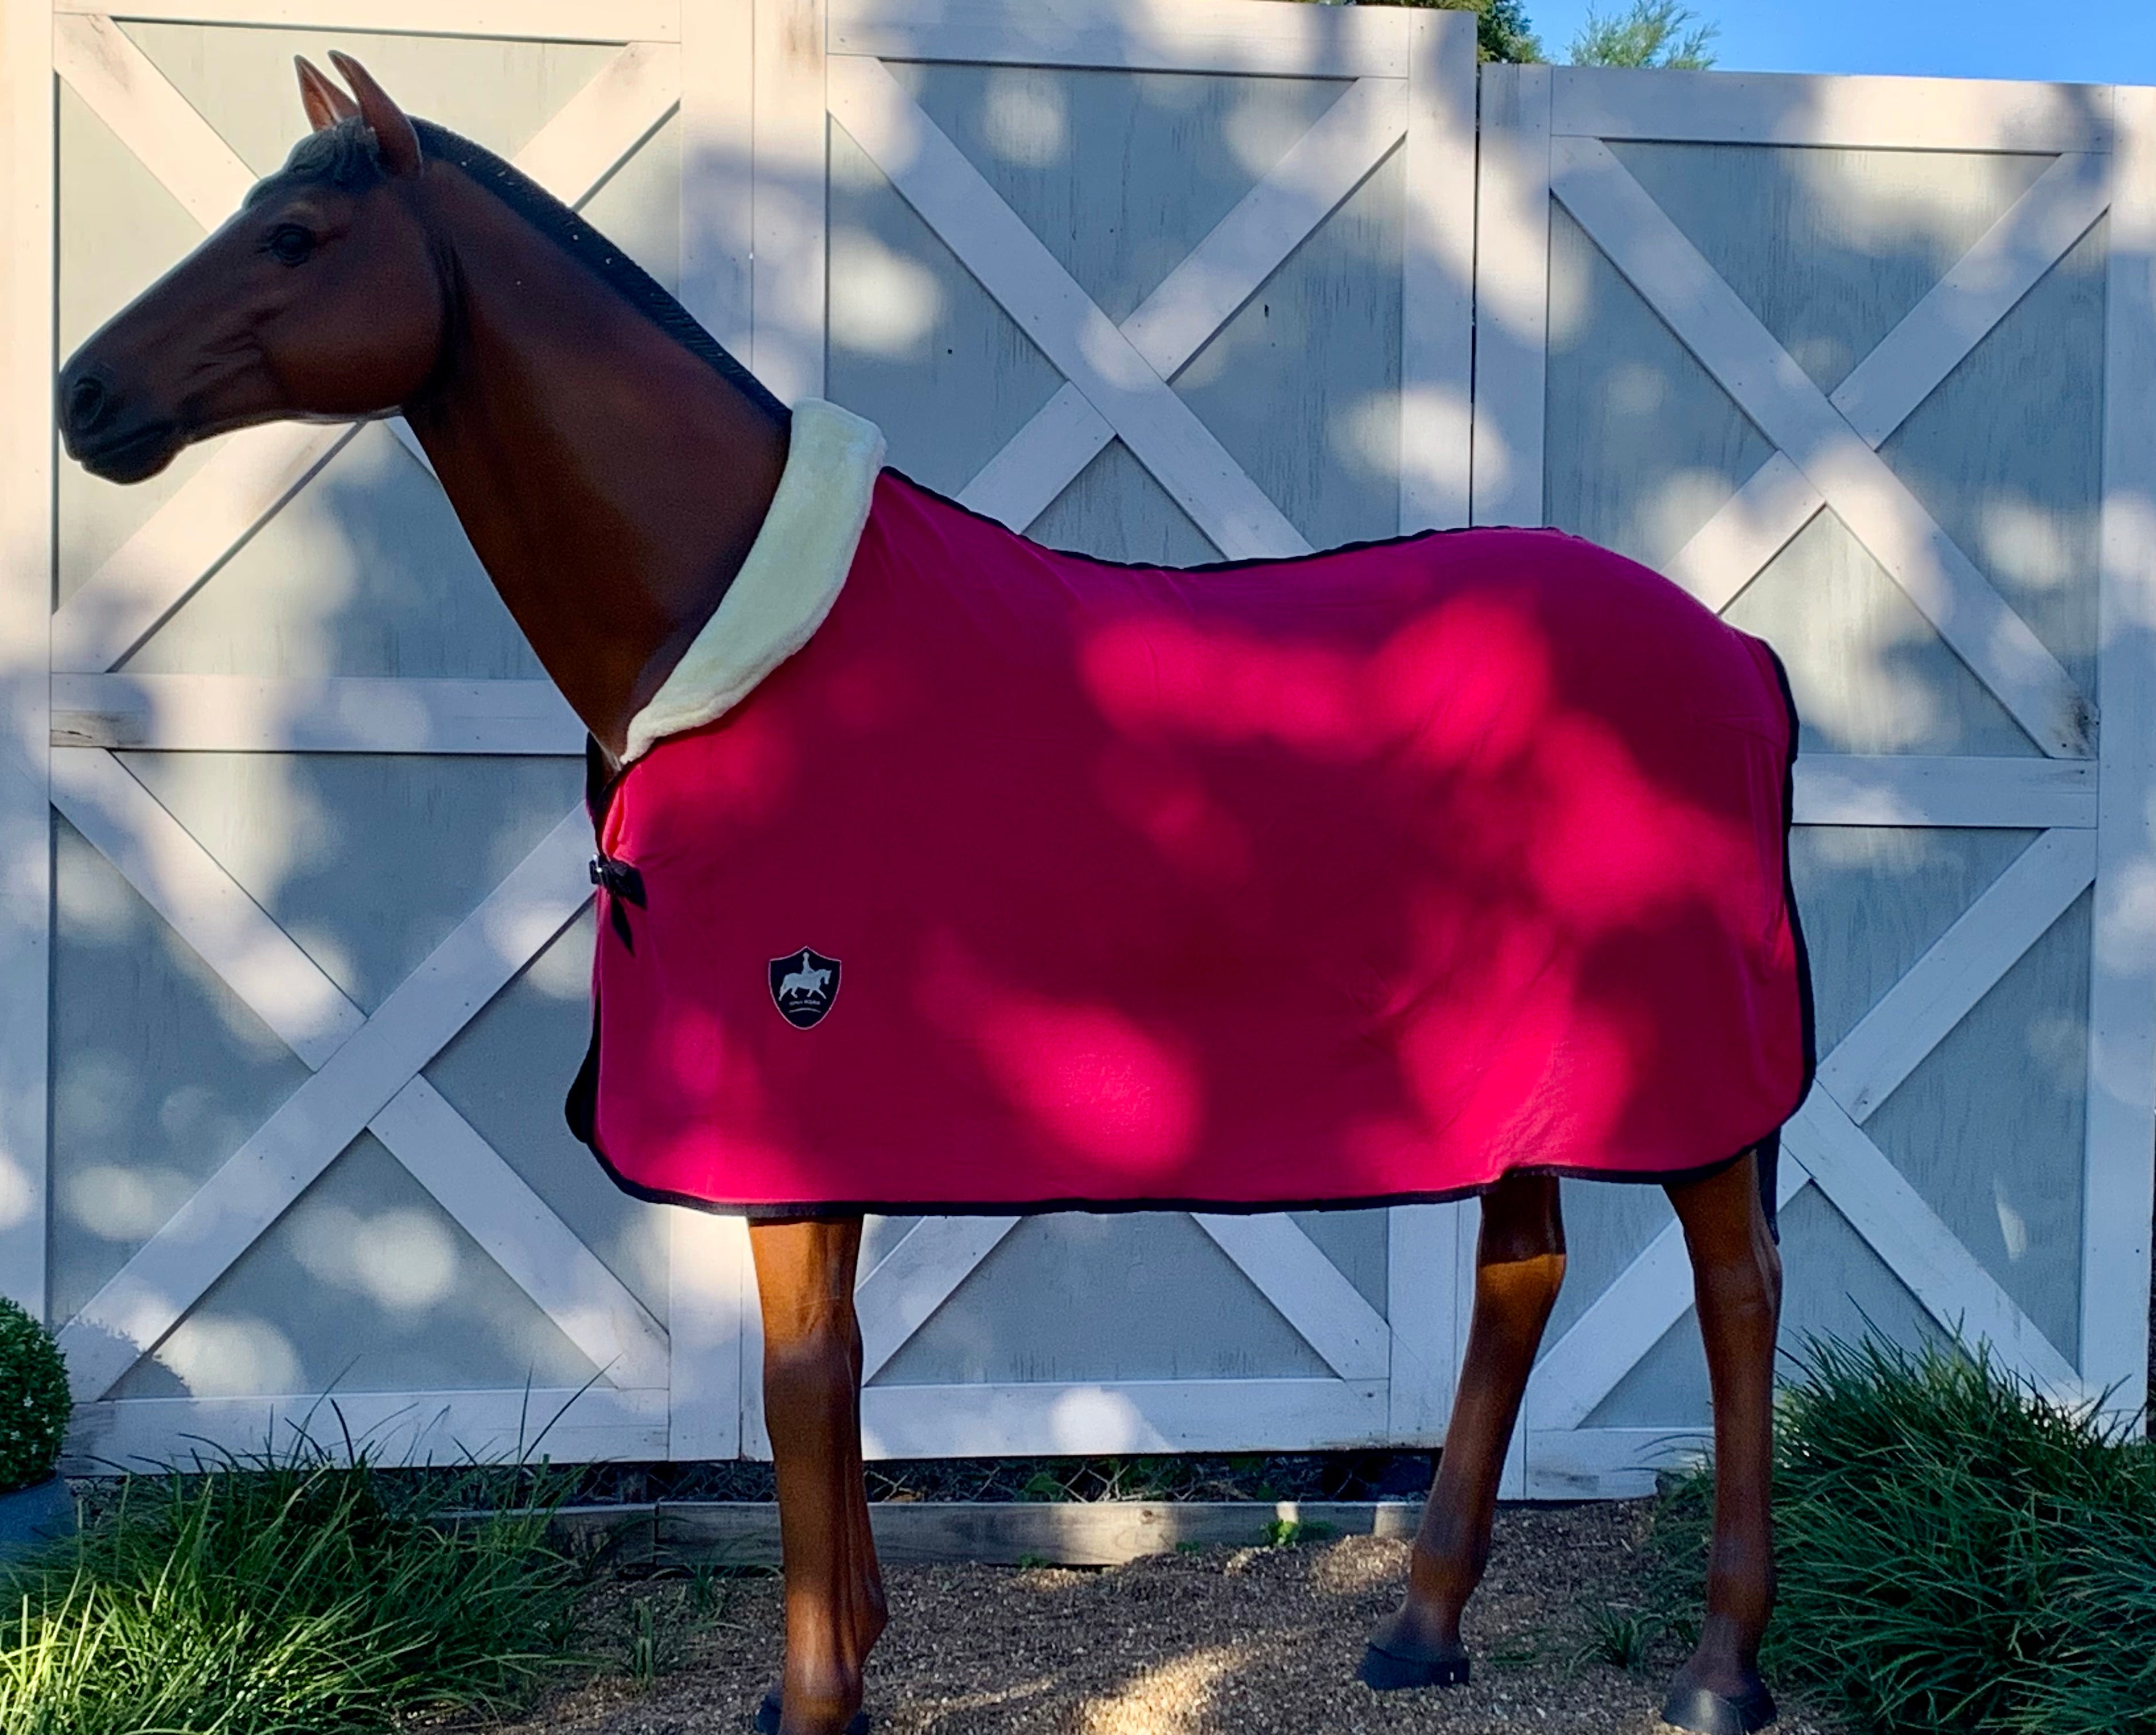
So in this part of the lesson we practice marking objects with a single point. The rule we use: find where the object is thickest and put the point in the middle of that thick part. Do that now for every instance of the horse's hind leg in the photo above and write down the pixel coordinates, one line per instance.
(1519, 1263)
(812, 1383)
(1737, 1281)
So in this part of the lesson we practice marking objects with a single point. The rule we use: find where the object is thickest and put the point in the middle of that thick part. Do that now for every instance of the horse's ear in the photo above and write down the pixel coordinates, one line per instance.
(393, 135)
(325, 104)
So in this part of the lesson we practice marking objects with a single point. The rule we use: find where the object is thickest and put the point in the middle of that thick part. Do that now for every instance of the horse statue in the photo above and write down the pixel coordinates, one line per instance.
(1422, 869)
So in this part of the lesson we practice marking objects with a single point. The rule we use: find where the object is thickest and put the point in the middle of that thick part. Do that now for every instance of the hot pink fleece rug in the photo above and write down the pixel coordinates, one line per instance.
(1037, 881)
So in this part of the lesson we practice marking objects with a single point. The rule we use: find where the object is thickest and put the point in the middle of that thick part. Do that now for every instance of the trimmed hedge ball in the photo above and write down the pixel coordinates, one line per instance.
(34, 1404)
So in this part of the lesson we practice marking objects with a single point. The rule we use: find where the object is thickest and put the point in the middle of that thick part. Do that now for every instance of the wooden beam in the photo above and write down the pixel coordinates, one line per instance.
(1291, 1272)
(1639, 238)
(28, 130)
(1883, 390)
(1194, 300)
(1512, 294)
(1958, 970)
(132, 1313)
(917, 1276)
(525, 20)
(790, 208)
(2015, 794)
(948, 192)
(1437, 274)
(1424, 1254)
(1117, 1416)
(569, 1423)
(258, 713)
(1141, 35)
(1865, 114)
(1951, 1284)
(2117, 1182)
(710, 1291)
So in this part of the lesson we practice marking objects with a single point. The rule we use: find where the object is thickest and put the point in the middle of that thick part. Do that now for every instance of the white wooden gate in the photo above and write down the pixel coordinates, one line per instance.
(889, 269)
(291, 918)
(1861, 363)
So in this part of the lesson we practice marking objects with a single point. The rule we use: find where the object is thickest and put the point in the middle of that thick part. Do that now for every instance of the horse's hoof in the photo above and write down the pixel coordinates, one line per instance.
(769, 1711)
(1387, 1672)
(1702, 1712)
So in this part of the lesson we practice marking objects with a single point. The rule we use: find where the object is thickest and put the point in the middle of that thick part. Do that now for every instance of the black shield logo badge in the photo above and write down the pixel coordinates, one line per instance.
(803, 984)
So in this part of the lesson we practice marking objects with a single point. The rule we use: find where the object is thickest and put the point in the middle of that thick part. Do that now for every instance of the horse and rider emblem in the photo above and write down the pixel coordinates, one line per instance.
(803, 984)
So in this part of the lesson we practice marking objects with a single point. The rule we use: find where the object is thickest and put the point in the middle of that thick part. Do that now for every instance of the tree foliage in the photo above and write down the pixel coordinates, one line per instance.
(1651, 33)
(1501, 30)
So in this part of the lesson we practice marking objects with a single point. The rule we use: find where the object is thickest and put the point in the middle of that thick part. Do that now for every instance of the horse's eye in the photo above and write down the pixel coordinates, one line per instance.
(290, 244)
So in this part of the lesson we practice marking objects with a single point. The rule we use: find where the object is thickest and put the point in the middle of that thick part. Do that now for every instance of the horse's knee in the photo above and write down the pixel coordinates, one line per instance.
(1522, 1224)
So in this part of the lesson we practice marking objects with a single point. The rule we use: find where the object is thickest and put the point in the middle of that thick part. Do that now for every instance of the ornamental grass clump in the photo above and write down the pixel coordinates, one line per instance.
(35, 1405)
(283, 1592)
(1957, 1553)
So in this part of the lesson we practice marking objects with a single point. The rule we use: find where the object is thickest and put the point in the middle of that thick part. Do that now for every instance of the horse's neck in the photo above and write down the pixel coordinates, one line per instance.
(610, 480)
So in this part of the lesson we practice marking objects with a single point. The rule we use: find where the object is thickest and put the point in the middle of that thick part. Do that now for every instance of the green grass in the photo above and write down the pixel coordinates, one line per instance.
(287, 1592)
(1956, 1553)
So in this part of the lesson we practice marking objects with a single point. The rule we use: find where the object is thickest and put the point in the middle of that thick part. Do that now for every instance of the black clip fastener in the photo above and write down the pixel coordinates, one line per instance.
(623, 884)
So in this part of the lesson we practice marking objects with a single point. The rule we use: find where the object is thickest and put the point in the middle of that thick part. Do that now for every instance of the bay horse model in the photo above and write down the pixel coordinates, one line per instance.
(1424, 868)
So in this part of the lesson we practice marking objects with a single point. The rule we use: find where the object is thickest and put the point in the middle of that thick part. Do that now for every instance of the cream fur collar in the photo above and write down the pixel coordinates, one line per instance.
(787, 583)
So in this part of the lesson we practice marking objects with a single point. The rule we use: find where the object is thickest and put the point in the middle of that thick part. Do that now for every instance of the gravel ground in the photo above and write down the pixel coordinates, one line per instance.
(1243, 1641)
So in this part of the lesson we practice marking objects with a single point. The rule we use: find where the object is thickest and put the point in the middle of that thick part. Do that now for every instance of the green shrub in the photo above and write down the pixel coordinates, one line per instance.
(35, 1405)
(1955, 1553)
(284, 1592)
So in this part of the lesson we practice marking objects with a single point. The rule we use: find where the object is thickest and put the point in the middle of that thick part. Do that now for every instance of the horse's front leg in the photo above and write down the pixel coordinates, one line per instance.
(812, 1387)
(1737, 1282)
(1519, 1263)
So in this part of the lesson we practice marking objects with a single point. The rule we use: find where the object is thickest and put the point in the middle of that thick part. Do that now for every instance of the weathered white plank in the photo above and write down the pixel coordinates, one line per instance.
(1639, 238)
(917, 1276)
(1328, 1311)
(718, 152)
(1606, 1463)
(1746, 530)
(711, 1290)
(1922, 1251)
(1882, 390)
(252, 714)
(1932, 338)
(1037, 463)
(1328, 163)
(1512, 294)
(1437, 274)
(1165, 1415)
(1422, 1260)
(204, 905)
(528, 20)
(790, 212)
(249, 476)
(27, 134)
(256, 470)
(118, 83)
(168, 1273)
(1200, 296)
(1959, 968)
(519, 1231)
(1068, 1533)
(1927, 789)
(289, 992)
(1157, 35)
(933, 177)
(1624, 1323)
(566, 1423)
(2121, 1095)
(1877, 113)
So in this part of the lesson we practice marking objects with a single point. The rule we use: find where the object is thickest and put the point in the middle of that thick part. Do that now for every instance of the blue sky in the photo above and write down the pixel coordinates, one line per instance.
(2103, 41)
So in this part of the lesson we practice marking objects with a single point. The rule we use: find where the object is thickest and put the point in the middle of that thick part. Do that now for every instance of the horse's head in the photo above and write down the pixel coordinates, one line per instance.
(321, 298)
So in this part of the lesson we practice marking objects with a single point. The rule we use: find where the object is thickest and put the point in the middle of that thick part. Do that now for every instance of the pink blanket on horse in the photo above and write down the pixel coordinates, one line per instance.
(1033, 880)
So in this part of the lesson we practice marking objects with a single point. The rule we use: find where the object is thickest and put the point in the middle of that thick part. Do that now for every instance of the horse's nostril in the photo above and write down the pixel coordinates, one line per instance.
(88, 402)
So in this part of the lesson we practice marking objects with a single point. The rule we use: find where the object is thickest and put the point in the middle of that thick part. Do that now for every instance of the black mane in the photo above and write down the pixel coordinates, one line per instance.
(345, 156)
